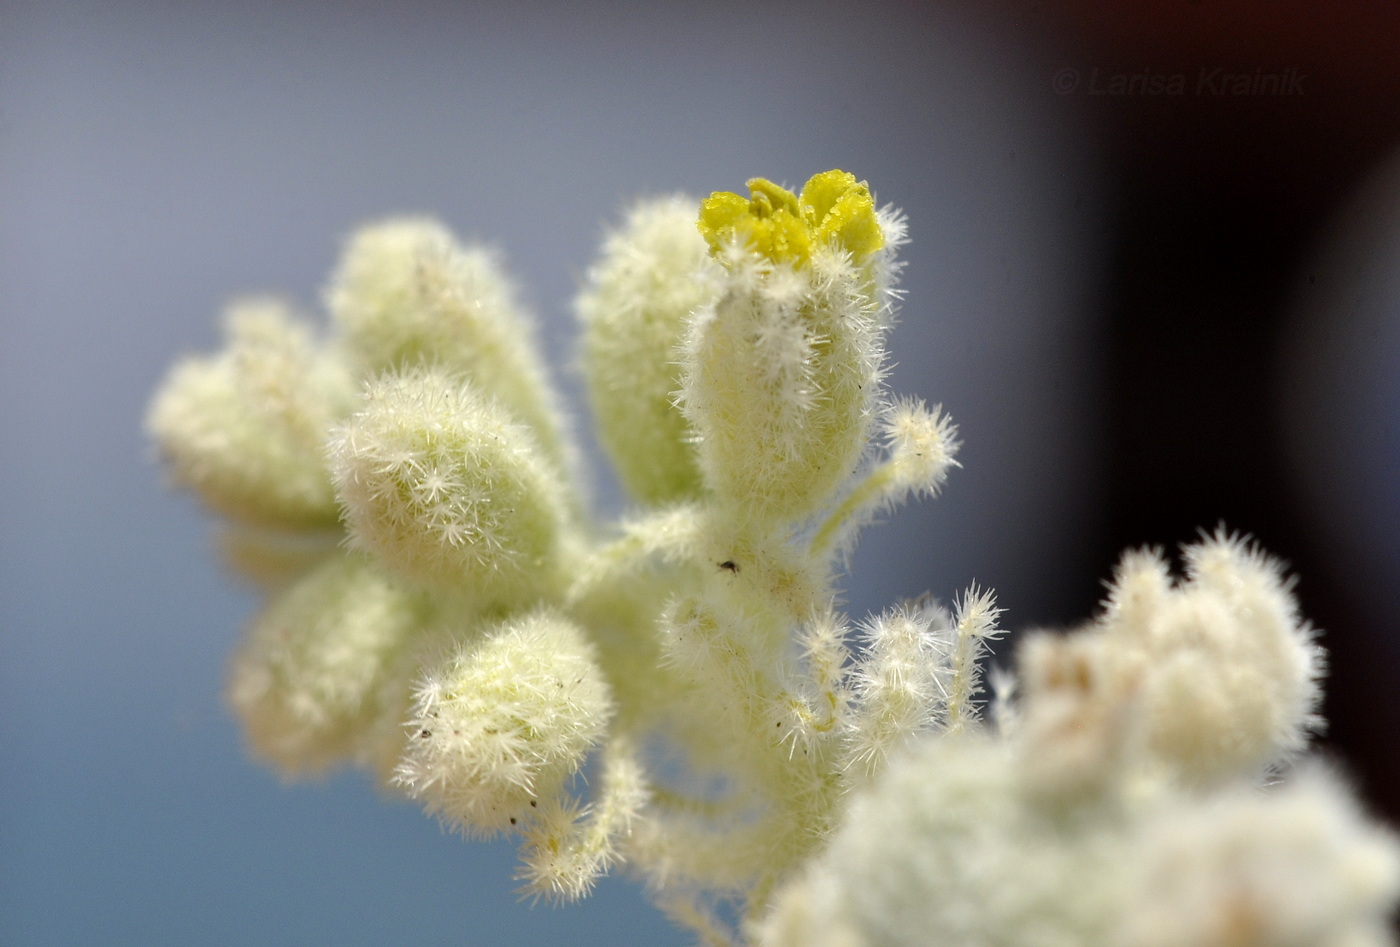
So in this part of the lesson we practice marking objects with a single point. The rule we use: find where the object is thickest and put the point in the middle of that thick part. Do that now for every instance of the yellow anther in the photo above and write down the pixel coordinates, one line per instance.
(833, 208)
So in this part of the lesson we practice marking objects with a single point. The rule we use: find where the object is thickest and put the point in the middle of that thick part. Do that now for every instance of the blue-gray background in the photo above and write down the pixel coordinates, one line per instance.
(156, 160)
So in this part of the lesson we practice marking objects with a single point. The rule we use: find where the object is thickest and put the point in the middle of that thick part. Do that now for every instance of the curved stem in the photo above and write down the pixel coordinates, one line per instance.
(874, 486)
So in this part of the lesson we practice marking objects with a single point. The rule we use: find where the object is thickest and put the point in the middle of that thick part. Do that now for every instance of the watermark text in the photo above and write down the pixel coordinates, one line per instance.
(1217, 81)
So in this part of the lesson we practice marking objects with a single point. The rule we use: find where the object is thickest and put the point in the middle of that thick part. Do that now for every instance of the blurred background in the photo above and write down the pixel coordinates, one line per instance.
(1155, 277)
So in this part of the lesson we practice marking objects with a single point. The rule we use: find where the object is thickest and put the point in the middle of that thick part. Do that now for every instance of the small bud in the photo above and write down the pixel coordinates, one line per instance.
(502, 725)
(245, 428)
(922, 443)
(306, 679)
(654, 272)
(443, 486)
(567, 849)
(407, 294)
(975, 623)
(901, 683)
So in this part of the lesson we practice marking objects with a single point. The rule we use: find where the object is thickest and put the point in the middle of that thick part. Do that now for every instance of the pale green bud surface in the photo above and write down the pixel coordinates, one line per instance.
(655, 270)
(245, 428)
(306, 680)
(407, 294)
(498, 728)
(447, 489)
(782, 373)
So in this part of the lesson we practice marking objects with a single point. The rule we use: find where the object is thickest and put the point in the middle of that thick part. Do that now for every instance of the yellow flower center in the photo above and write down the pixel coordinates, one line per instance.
(833, 208)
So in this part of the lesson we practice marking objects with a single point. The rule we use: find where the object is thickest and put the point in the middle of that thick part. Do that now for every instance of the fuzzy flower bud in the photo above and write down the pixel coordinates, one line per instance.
(498, 728)
(305, 681)
(1229, 671)
(442, 485)
(245, 428)
(654, 272)
(898, 684)
(407, 294)
(922, 443)
(781, 375)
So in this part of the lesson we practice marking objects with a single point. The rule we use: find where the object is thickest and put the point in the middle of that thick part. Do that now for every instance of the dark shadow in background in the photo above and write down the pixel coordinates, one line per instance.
(1221, 197)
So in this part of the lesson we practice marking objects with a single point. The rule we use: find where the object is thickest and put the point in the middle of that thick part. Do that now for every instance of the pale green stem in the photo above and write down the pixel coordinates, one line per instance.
(875, 485)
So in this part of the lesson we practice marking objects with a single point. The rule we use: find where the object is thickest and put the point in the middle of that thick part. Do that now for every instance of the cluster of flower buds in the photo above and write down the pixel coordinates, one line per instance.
(677, 692)
(1125, 800)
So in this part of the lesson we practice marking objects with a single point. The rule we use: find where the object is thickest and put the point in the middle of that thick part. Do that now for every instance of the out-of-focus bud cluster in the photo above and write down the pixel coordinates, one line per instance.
(1126, 800)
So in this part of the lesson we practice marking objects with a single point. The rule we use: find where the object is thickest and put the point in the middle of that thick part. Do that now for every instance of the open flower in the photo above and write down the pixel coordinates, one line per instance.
(832, 208)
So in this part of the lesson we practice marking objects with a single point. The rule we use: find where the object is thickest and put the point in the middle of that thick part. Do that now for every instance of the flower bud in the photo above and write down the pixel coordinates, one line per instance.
(654, 272)
(440, 483)
(782, 374)
(306, 680)
(498, 728)
(407, 294)
(245, 428)
(1229, 671)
